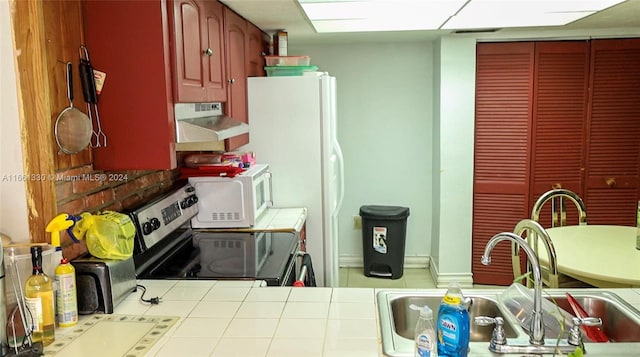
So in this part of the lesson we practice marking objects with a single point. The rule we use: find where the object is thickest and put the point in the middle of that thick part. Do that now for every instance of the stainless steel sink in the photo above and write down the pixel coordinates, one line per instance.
(621, 322)
(405, 319)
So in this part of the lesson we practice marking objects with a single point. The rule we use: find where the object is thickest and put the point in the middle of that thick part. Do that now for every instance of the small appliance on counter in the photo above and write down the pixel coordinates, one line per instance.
(103, 284)
(236, 202)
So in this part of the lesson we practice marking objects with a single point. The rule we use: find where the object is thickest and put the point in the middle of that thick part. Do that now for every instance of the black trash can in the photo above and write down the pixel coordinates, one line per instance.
(384, 231)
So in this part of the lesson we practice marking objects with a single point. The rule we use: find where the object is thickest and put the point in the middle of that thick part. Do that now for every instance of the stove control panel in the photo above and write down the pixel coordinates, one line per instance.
(189, 201)
(161, 217)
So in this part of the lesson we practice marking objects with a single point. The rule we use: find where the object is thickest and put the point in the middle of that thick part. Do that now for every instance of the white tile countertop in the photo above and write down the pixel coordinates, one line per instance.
(241, 318)
(235, 318)
(275, 219)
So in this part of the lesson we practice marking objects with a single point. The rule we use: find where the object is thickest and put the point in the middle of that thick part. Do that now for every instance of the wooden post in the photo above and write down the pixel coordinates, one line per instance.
(35, 115)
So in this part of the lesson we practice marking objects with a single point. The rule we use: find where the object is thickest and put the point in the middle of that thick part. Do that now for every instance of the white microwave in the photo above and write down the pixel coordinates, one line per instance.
(232, 202)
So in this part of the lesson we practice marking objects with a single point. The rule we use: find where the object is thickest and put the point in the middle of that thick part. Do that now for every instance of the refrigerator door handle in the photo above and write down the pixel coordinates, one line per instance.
(269, 177)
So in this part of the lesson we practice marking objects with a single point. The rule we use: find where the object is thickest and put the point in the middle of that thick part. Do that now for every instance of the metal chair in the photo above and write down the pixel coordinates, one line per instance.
(534, 231)
(551, 278)
(558, 207)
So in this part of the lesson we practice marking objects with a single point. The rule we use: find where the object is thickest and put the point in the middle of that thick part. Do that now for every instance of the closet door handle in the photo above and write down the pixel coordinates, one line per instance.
(611, 182)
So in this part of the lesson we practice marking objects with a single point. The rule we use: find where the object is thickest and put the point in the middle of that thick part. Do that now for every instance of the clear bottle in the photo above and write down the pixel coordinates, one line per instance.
(453, 326)
(66, 297)
(39, 298)
(425, 334)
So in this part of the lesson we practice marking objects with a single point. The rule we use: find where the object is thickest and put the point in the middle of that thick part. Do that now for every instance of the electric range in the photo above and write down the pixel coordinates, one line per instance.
(166, 247)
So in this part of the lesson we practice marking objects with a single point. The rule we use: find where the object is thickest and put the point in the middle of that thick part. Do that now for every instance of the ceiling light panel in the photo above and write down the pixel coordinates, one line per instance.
(379, 15)
(478, 14)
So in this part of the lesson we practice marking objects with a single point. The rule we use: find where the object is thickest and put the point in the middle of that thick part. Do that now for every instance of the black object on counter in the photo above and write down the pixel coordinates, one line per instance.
(36, 349)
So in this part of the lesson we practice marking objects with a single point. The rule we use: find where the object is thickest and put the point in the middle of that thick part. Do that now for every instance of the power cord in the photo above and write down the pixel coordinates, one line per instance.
(153, 301)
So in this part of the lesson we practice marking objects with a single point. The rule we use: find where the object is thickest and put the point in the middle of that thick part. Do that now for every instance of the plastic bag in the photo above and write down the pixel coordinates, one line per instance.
(109, 235)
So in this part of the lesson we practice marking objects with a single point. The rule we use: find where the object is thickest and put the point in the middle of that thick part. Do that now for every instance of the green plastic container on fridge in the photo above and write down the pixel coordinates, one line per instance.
(282, 71)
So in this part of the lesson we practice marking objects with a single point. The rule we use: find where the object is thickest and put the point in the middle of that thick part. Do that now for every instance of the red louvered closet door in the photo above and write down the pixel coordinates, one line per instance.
(560, 106)
(613, 148)
(502, 150)
(553, 114)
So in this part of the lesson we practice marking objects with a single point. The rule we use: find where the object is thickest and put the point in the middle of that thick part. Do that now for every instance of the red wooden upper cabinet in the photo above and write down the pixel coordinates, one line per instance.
(256, 50)
(129, 40)
(235, 29)
(198, 50)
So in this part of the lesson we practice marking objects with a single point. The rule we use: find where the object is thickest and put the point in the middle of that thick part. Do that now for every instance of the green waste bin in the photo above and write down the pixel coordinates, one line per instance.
(384, 231)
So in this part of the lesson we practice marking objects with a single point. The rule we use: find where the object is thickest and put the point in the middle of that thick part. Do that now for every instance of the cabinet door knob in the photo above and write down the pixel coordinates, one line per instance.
(208, 52)
(232, 81)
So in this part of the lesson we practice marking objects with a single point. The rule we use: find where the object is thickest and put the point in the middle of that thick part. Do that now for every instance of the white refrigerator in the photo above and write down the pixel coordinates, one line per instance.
(292, 127)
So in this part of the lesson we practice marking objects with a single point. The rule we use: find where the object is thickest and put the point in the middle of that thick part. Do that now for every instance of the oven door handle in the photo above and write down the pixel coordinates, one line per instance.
(306, 276)
(301, 277)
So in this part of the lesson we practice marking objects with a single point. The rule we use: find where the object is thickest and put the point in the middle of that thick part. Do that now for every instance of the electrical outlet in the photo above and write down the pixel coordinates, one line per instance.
(357, 222)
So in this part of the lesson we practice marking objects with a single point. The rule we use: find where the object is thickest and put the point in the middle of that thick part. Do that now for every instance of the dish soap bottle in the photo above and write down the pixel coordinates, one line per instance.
(453, 323)
(425, 334)
(39, 300)
(66, 297)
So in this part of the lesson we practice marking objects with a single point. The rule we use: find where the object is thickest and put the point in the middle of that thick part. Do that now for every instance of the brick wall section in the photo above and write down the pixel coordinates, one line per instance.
(81, 189)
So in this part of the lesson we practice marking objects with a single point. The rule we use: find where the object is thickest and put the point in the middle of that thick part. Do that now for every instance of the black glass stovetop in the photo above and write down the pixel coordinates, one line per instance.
(183, 261)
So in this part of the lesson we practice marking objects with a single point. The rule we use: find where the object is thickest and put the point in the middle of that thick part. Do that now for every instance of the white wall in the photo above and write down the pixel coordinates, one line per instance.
(455, 115)
(13, 203)
(435, 189)
(385, 130)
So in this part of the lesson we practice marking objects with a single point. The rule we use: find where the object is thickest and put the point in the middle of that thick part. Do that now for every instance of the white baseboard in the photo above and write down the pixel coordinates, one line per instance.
(413, 262)
(442, 280)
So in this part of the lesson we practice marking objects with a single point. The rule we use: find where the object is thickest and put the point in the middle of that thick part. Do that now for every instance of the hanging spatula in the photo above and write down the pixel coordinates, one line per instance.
(99, 138)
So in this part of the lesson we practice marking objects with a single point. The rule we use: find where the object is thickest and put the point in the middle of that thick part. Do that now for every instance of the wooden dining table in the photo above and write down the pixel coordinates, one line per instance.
(604, 256)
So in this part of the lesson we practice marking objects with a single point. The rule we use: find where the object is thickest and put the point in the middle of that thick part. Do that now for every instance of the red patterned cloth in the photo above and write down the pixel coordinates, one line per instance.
(215, 170)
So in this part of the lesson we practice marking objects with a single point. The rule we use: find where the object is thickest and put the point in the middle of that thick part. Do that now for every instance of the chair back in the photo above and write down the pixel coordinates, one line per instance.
(535, 233)
(558, 208)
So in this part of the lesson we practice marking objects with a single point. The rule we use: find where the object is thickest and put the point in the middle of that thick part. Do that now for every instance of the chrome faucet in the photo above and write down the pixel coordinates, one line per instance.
(536, 336)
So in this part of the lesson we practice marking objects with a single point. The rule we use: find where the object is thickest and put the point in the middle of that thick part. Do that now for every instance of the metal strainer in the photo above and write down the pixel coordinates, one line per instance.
(73, 128)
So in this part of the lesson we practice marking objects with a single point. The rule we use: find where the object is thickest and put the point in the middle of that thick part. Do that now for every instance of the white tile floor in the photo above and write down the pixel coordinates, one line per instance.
(411, 278)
